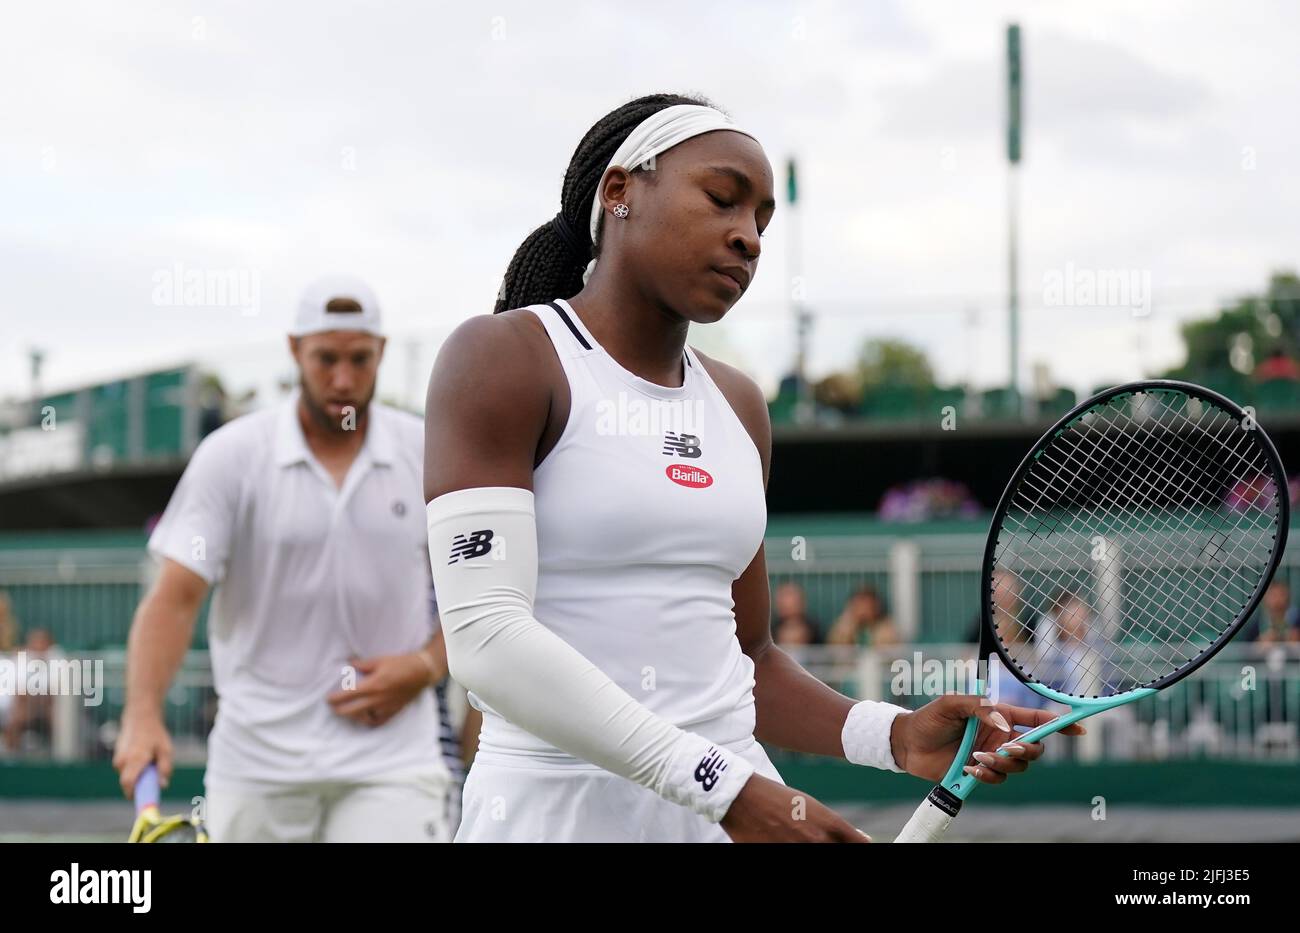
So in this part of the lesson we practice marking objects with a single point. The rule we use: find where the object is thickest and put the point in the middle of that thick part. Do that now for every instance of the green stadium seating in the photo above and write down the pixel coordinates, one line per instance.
(781, 410)
(999, 405)
(1279, 396)
(894, 403)
(943, 398)
(1058, 404)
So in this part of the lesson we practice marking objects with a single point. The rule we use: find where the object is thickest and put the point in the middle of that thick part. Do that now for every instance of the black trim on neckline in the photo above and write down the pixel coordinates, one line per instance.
(687, 357)
(564, 317)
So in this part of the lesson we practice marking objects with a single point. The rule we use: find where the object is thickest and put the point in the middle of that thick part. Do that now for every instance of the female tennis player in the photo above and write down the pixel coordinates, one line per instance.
(596, 512)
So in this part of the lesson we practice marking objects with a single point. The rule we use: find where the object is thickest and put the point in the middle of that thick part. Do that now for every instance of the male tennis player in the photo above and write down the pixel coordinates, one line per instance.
(307, 518)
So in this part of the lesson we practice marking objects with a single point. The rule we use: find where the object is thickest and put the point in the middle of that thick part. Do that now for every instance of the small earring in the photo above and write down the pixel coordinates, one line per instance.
(620, 211)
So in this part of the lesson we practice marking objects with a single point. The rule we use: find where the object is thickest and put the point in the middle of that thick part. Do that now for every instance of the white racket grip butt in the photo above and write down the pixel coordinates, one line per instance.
(932, 818)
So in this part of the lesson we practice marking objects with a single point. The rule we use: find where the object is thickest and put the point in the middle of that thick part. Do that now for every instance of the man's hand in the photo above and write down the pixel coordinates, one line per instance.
(390, 683)
(143, 739)
(925, 742)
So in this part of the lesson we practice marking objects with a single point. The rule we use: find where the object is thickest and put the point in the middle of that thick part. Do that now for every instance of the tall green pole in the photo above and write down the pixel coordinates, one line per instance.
(1013, 159)
(802, 320)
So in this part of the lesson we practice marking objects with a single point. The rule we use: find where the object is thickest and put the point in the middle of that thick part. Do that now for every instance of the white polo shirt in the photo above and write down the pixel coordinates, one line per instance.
(308, 577)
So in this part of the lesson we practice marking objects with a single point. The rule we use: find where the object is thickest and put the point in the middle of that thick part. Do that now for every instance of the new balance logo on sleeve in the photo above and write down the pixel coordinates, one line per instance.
(475, 544)
(710, 768)
(681, 445)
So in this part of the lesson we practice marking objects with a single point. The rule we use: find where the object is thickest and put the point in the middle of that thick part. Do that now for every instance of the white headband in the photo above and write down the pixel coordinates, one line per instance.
(656, 134)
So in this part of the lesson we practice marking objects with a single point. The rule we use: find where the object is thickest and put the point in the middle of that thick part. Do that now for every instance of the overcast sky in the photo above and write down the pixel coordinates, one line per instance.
(416, 144)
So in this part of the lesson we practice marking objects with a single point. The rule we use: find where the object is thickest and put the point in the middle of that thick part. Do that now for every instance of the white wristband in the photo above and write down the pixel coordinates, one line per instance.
(866, 734)
(705, 777)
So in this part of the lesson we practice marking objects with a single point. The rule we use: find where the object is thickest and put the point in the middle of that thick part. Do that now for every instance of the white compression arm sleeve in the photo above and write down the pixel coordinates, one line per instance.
(483, 551)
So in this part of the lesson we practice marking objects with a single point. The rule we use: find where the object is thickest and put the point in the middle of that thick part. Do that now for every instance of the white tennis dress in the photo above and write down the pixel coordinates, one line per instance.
(648, 508)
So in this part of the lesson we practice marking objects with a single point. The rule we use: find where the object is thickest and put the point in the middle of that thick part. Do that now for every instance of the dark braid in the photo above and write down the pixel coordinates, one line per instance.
(545, 266)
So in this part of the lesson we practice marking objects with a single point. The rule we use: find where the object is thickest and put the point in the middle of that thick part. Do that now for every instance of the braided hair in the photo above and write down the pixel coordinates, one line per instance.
(550, 262)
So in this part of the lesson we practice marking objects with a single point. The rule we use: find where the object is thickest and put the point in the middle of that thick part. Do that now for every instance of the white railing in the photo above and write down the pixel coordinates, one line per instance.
(1245, 703)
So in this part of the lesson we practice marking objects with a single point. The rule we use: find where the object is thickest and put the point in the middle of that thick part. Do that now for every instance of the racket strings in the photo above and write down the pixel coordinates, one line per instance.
(1156, 487)
(1145, 497)
(1101, 604)
(1196, 550)
(1141, 494)
(1191, 546)
(1157, 629)
(1198, 547)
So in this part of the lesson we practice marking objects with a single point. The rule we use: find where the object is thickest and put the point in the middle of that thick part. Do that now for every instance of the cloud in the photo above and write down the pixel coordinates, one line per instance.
(416, 145)
(1074, 88)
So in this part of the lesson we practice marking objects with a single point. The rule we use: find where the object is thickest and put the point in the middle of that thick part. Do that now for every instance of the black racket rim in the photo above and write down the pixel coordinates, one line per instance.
(989, 642)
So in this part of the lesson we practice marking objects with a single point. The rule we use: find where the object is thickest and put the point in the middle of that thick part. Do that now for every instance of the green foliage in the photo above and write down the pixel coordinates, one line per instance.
(893, 363)
(1227, 347)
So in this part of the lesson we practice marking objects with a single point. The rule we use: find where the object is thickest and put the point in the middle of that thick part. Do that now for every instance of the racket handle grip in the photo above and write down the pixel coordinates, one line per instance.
(932, 817)
(148, 790)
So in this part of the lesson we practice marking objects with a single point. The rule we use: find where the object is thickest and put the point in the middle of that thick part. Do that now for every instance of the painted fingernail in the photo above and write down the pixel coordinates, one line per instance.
(1000, 721)
(1013, 749)
(971, 770)
(984, 758)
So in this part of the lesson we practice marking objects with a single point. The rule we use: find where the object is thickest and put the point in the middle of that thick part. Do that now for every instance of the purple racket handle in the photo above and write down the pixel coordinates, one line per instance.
(148, 791)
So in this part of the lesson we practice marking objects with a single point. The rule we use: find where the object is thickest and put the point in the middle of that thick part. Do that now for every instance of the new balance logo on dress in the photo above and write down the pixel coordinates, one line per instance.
(681, 445)
(475, 544)
(710, 768)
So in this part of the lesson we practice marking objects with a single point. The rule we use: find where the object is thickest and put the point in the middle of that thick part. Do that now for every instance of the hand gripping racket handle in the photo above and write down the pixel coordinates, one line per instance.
(932, 817)
(148, 791)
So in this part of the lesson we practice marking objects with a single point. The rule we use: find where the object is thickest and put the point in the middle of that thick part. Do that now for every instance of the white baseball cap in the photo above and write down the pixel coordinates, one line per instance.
(337, 302)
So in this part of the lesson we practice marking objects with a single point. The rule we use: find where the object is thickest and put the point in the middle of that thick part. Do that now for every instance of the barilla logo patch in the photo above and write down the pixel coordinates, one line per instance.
(692, 477)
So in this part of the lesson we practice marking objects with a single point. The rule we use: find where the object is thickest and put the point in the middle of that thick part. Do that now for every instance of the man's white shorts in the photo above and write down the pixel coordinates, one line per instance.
(407, 806)
(515, 800)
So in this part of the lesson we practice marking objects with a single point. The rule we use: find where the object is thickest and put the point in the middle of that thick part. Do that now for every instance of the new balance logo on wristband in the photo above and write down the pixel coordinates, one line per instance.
(682, 445)
(710, 768)
(475, 544)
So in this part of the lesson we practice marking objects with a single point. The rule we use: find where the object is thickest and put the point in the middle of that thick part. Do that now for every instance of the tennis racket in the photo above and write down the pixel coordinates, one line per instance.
(1134, 540)
(150, 824)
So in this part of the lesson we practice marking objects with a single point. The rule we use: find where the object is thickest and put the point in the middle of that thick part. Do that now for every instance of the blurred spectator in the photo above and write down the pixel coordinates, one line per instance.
(927, 499)
(1015, 622)
(1277, 620)
(1069, 655)
(1014, 618)
(28, 713)
(838, 392)
(792, 626)
(863, 622)
(1251, 494)
(212, 405)
(8, 624)
(1277, 365)
(8, 643)
(795, 632)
